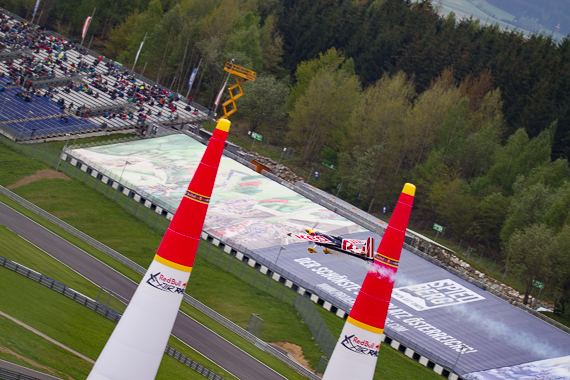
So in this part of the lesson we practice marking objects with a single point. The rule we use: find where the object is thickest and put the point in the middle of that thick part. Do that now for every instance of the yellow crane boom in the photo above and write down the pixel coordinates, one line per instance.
(239, 72)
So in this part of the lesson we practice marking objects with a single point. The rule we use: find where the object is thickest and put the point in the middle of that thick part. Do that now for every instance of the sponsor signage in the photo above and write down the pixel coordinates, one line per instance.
(360, 346)
(435, 294)
(166, 284)
(400, 320)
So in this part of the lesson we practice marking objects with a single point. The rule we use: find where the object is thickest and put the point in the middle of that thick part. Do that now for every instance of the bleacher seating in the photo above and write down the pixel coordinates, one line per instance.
(40, 117)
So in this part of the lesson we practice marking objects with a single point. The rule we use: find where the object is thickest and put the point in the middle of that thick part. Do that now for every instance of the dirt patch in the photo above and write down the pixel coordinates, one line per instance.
(40, 174)
(34, 364)
(294, 351)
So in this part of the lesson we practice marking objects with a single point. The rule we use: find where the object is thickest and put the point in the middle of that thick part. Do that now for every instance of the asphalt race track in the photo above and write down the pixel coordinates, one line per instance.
(200, 338)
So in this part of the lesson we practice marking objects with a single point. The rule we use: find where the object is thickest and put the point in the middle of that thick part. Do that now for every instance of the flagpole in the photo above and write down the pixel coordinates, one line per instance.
(39, 17)
(219, 98)
(35, 10)
(87, 28)
(138, 52)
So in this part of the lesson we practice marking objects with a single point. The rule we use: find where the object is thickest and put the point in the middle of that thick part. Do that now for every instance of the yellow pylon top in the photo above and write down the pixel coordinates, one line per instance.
(240, 71)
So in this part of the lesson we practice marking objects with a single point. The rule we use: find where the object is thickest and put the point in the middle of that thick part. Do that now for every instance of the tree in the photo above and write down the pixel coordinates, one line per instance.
(120, 37)
(376, 137)
(562, 291)
(518, 157)
(453, 204)
(558, 215)
(331, 60)
(322, 111)
(428, 115)
(489, 218)
(221, 20)
(245, 39)
(271, 46)
(529, 205)
(530, 253)
(263, 102)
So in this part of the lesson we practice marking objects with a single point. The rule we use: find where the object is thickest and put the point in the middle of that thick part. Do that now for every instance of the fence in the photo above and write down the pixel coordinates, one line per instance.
(317, 325)
(99, 308)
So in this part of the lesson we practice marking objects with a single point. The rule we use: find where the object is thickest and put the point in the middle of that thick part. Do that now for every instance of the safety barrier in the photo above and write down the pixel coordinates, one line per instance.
(61, 289)
(99, 308)
(6, 374)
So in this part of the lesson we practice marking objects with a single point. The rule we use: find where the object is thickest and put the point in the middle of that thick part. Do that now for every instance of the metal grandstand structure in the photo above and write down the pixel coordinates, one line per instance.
(15, 54)
(56, 82)
(26, 116)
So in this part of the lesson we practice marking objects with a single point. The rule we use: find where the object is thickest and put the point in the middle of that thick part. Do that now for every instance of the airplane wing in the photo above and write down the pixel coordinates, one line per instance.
(316, 239)
(354, 241)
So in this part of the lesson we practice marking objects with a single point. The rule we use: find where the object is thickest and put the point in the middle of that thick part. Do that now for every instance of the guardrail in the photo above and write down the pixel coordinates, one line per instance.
(61, 289)
(6, 374)
(99, 308)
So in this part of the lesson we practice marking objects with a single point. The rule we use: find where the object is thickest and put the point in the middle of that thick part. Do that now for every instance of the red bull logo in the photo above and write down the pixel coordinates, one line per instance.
(166, 284)
(363, 347)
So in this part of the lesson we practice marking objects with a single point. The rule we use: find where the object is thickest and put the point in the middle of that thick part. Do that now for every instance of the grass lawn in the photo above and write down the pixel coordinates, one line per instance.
(17, 249)
(21, 346)
(64, 320)
(99, 217)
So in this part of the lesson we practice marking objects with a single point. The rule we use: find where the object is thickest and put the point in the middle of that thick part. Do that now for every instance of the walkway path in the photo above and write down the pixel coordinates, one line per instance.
(39, 333)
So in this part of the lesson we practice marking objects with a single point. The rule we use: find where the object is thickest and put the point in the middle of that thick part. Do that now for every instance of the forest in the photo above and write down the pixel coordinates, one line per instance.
(387, 92)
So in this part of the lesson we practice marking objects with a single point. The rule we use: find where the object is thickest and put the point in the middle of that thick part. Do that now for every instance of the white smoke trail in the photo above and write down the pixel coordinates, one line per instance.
(512, 335)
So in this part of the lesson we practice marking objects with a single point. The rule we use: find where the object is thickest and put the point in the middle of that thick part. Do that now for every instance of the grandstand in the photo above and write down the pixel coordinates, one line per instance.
(30, 113)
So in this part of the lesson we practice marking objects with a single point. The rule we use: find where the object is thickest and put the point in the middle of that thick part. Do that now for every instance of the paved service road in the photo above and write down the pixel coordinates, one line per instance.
(200, 338)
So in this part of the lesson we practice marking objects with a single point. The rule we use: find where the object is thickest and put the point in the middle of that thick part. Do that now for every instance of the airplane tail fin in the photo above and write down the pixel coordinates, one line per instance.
(370, 248)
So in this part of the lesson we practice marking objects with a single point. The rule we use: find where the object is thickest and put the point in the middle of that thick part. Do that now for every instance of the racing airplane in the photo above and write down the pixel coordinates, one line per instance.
(335, 243)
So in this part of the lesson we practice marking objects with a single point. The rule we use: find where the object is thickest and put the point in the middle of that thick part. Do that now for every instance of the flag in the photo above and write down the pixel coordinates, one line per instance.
(220, 94)
(138, 52)
(85, 26)
(36, 9)
(192, 77)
